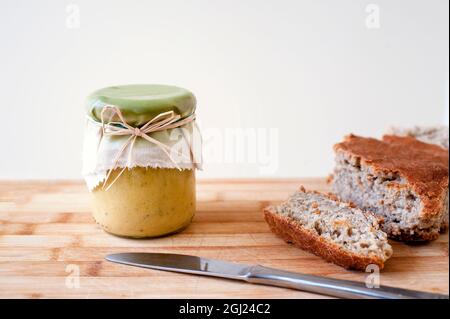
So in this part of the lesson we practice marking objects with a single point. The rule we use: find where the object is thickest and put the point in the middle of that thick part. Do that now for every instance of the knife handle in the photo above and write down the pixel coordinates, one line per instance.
(332, 287)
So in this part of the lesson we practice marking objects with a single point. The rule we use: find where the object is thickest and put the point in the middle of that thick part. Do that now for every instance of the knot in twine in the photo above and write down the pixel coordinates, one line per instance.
(161, 122)
(137, 132)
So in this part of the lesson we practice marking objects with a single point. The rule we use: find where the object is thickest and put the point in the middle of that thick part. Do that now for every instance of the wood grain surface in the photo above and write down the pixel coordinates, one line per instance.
(47, 236)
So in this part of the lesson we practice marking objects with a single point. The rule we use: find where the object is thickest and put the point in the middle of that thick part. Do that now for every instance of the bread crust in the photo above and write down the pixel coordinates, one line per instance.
(292, 232)
(424, 166)
(414, 235)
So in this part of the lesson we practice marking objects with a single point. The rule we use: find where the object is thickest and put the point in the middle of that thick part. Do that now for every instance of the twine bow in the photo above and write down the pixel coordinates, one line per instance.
(161, 122)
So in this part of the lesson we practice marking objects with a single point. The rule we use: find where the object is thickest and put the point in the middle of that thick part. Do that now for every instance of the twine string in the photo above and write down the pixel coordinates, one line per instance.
(161, 122)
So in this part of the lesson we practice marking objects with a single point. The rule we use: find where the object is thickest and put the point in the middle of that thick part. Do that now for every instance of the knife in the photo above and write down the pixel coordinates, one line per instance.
(257, 274)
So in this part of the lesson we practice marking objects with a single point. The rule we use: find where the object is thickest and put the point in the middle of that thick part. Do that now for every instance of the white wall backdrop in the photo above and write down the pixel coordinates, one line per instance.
(314, 70)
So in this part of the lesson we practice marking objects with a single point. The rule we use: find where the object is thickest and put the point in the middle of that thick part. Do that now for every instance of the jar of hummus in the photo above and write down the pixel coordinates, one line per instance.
(140, 154)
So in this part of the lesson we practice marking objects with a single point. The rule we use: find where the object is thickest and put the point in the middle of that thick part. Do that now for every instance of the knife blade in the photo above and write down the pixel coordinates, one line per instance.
(267, 276)
(182, 263)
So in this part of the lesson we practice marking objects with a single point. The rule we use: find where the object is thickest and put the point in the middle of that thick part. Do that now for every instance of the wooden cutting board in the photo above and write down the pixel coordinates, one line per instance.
(47, 237)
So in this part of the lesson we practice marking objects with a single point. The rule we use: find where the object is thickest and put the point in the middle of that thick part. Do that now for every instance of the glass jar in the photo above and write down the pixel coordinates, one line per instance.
(138, 189)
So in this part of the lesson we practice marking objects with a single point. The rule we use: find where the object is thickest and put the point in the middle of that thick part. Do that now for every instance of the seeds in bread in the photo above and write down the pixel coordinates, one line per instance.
(401, 179)
(331, 229)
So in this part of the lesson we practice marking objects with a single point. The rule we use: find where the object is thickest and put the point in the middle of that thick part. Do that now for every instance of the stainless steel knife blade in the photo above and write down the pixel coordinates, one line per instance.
(183, 263)
(266, 276)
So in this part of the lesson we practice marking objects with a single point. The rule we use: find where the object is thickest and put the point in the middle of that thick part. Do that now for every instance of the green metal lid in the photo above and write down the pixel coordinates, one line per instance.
(139, 103)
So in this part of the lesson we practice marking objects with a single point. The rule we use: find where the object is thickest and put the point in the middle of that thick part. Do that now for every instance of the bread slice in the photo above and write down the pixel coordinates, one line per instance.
(429, 134)
(331, 229)
(401, 179)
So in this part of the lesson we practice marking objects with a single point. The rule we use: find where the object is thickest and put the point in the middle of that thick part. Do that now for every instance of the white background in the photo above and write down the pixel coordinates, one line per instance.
(312, 69)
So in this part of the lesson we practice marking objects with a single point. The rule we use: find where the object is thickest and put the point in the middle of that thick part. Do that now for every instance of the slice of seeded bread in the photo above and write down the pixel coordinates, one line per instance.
(400, 179)
(429, 134)
(331, 229)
